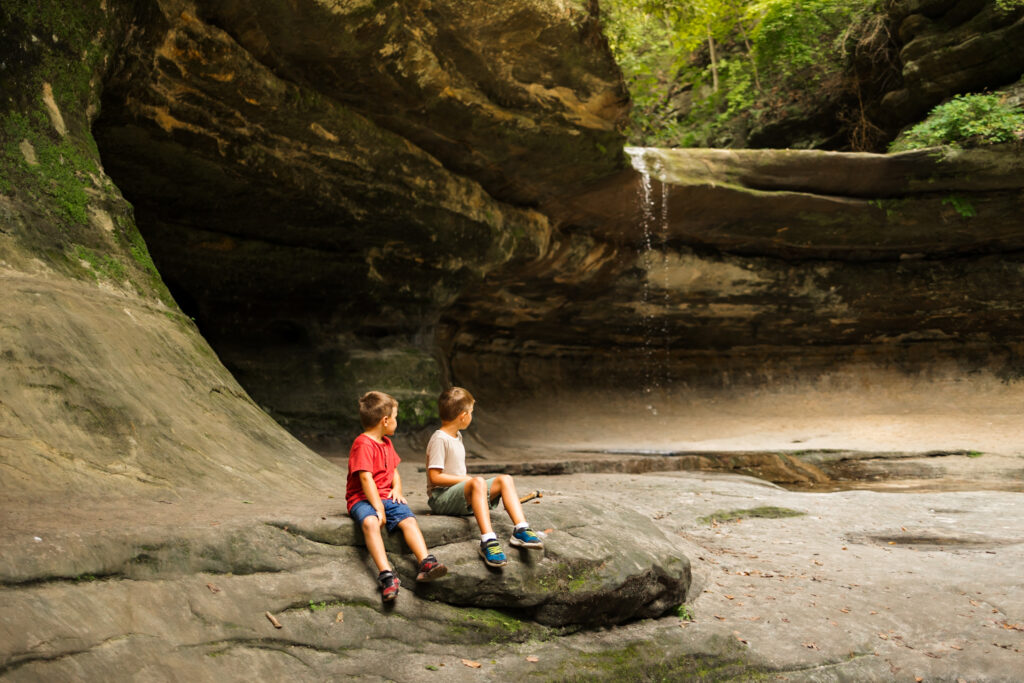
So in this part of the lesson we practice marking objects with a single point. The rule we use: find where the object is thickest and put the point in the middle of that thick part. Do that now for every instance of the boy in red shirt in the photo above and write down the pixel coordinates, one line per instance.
(374, 493)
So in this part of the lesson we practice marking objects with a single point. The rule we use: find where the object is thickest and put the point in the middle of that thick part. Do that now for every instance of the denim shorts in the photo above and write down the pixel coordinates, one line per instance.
(452, 500)
(394, 512)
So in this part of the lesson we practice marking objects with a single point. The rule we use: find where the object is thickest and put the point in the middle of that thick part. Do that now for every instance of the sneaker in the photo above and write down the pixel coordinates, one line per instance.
(492, 553)
(431, 569)
(389, 584)
(526, 538)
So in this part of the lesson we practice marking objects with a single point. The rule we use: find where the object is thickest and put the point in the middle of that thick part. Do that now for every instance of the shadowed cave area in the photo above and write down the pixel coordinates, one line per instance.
(329, 234)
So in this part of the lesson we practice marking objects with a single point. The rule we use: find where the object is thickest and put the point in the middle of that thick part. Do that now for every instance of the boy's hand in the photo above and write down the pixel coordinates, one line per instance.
(381, 515)
(397, 497)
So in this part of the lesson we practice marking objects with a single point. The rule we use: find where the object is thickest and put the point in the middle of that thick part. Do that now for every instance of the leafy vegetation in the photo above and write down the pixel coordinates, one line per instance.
(703, 72)
(965, 120)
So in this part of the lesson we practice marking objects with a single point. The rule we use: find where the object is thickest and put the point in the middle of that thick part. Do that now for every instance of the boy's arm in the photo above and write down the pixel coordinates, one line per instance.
(396, 489)
(437, 477)
(372, 494)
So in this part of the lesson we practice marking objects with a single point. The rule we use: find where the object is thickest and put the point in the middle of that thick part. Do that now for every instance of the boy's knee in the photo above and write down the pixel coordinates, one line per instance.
(371, 524)
(476, 483)
(505, 480)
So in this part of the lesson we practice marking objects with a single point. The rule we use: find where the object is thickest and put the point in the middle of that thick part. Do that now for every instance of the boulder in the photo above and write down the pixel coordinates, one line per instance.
(188, 590)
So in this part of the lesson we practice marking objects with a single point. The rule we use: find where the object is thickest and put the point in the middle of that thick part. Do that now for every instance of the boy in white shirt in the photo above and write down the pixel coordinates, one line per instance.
(451, 491)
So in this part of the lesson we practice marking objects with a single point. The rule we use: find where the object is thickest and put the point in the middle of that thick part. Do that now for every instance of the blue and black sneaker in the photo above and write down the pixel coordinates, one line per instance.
(526, 538)
(492, 553)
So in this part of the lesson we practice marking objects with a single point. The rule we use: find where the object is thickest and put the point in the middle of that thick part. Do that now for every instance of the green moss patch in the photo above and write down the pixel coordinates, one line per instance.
(646, 662)
(491, 626)
(765, 512)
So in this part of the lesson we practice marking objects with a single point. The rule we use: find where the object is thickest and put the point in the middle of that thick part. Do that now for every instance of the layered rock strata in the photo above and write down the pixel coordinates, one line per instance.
(949, 47)
(317, 181)
(758, 266)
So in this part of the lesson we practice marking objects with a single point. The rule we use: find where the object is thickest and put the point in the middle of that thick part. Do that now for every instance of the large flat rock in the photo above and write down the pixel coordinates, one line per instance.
(861, 586)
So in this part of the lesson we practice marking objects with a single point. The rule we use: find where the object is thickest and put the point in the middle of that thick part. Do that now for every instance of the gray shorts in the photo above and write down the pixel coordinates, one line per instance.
(452, 499)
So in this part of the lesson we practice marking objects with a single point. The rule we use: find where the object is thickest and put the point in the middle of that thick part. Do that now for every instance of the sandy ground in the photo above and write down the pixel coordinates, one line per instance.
(874, 411)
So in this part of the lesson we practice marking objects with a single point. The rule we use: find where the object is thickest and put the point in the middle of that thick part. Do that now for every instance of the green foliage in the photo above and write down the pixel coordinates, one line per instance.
(803, 39)
(965, 120)
(962, 205)
(697, 70)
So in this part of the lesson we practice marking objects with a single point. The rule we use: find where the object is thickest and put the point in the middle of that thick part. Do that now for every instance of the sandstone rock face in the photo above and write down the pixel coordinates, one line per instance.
(317, 181)
(762, 266)
(949, 48)
(502, 92)
(106, 388)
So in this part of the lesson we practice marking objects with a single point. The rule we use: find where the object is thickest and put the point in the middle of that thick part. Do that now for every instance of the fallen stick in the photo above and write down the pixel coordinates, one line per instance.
(531, 495)
(275, 622)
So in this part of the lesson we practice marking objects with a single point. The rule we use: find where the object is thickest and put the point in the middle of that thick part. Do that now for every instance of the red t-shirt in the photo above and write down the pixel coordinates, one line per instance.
(379, 459)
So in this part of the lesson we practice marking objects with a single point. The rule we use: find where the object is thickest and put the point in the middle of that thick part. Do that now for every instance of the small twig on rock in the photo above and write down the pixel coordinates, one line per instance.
(531, 495)
(275, 622)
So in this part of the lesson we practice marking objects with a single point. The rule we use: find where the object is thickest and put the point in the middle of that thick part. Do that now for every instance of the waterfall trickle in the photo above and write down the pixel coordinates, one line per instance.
(654, 292)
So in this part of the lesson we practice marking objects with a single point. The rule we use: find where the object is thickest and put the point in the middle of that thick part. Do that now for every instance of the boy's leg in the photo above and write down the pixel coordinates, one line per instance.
(522, 536)
(428, 566)
(413, 537)
(367, 517)
(375, 543)
(505, 487)
(478, 501)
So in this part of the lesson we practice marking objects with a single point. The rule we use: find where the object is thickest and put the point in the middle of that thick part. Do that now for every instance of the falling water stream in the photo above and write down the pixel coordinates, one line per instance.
(654, 293)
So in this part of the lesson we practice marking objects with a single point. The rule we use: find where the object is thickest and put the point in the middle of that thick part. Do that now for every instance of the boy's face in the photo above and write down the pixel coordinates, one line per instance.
(390, 422)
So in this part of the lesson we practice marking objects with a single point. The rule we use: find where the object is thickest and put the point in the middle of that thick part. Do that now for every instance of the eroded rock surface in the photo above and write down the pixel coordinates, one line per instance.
(731, 267)
(192, 585)
(949, 48)
(922, 584)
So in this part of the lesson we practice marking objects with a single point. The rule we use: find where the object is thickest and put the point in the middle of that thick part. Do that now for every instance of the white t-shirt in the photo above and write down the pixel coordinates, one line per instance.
(445, 453)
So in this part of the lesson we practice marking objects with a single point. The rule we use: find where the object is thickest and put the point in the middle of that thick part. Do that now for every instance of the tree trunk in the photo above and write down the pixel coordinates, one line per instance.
(714, 61)
(750, 55)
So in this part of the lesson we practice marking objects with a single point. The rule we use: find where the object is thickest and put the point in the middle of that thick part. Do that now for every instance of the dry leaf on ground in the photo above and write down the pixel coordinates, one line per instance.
(471, 664)
(533, 659)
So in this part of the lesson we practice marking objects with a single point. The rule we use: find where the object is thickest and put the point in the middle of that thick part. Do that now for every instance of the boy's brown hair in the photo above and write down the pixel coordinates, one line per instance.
(452, 402)
(374, 405)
